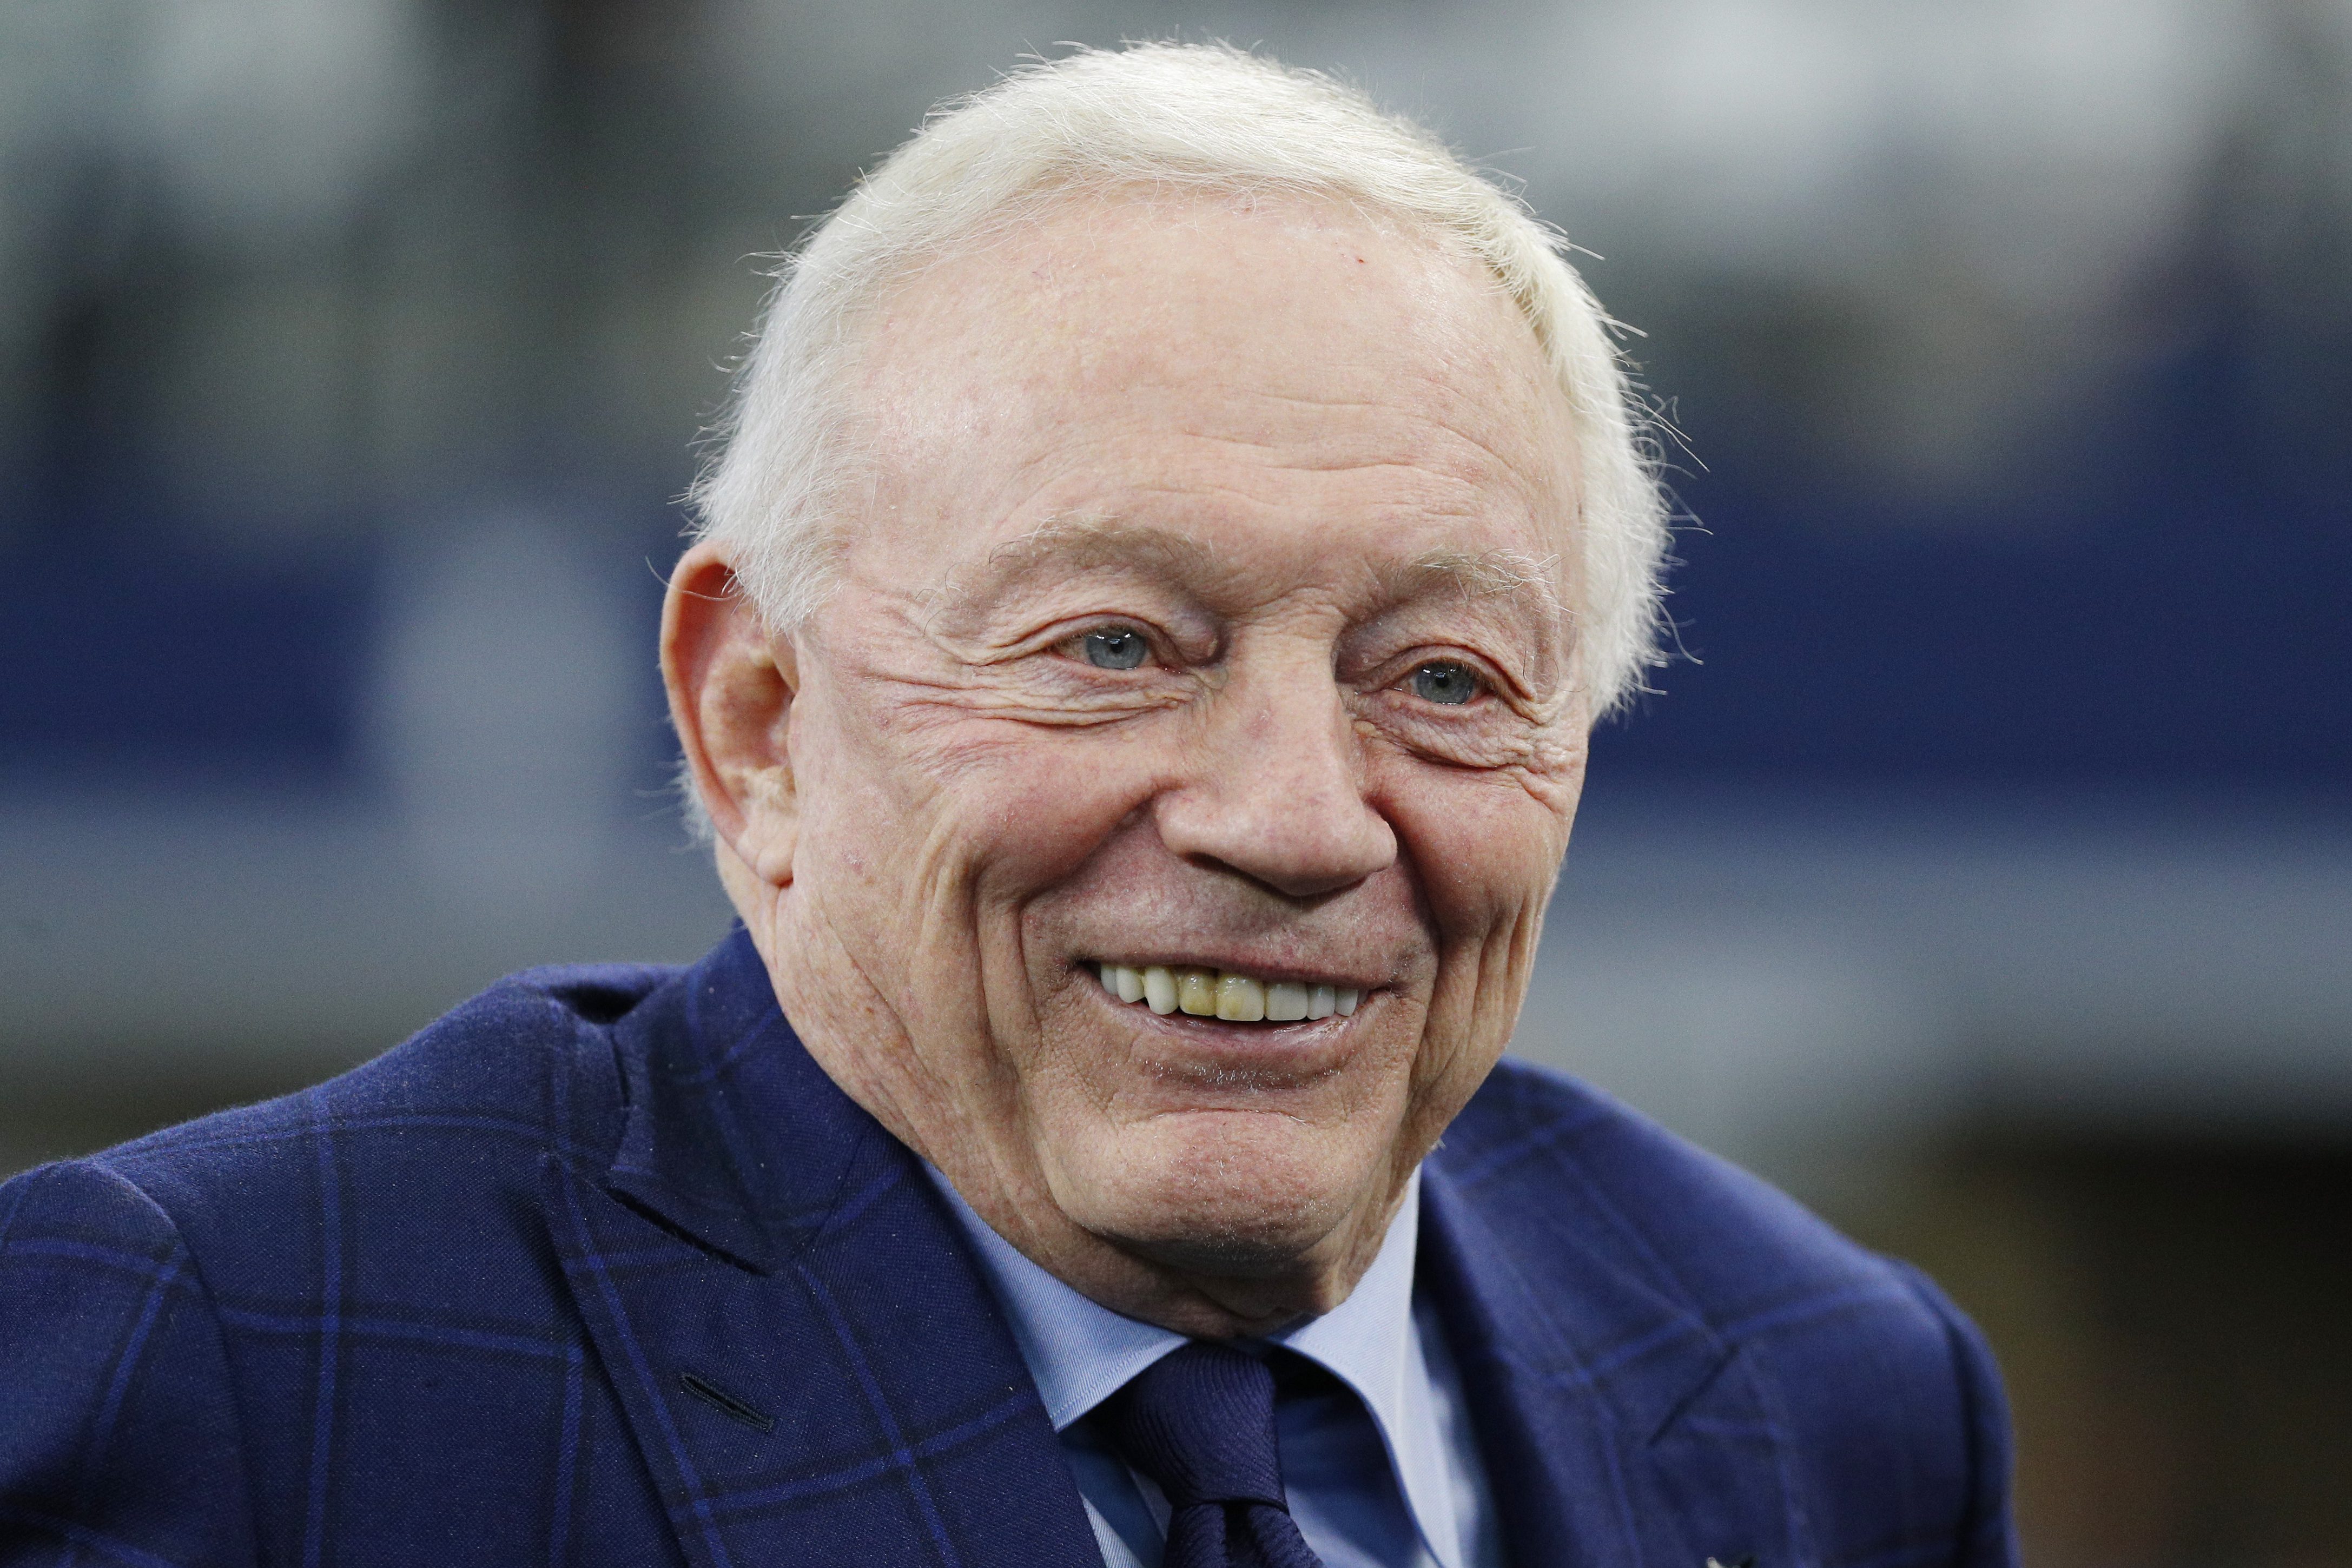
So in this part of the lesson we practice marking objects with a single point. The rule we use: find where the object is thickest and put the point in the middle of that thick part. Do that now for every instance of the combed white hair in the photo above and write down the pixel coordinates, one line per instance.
(1192, 118)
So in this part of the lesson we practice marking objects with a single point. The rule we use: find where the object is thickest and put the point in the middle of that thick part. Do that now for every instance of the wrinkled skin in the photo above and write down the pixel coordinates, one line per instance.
(1303, 457)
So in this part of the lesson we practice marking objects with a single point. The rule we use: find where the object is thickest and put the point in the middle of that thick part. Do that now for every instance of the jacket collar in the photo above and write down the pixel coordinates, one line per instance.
(803, 1346)
(734, 1134)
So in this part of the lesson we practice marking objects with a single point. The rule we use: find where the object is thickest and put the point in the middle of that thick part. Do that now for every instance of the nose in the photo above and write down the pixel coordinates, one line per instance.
(1274, 790)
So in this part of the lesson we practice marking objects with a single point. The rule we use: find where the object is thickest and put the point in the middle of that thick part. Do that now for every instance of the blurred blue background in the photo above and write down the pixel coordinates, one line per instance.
(1984, 875)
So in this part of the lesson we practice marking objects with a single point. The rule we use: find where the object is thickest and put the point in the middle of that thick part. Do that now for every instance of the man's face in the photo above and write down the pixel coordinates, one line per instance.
(1207, 615)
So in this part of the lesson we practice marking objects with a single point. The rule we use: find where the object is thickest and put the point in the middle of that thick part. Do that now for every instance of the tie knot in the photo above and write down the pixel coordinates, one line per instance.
(1199, 1422)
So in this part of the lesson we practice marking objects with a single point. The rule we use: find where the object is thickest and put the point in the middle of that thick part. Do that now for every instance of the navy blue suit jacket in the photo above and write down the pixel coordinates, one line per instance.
(603, 1268)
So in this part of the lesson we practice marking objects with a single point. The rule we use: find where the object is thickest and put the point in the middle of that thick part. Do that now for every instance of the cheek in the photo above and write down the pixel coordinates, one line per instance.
(1038, 806)
(996, 805)
(1486, 848)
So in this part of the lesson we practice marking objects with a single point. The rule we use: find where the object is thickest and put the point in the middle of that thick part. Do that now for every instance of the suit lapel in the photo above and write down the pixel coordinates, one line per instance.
(810, 1361)
(1616, 1427)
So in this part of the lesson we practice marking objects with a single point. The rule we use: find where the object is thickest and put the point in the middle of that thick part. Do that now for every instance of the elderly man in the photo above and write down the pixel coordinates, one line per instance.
(1178, 528)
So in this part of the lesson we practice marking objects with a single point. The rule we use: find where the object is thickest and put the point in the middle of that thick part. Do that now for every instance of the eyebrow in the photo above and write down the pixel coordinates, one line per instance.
(1510, 574)
(1087, 539)
(1073, 542)
(1081, 541)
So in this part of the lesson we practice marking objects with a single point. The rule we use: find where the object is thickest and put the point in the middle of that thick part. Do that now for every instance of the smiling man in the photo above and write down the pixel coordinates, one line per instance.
(1179, 529)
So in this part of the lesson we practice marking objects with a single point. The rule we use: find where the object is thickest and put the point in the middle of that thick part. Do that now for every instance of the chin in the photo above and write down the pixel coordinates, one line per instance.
(1243, 1194)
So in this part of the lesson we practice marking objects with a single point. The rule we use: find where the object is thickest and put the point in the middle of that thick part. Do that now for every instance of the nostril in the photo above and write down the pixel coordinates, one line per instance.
(1301, 833)
(1299, 869)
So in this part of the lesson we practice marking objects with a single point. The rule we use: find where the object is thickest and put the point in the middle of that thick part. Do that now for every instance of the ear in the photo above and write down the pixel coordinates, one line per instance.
(730, 699)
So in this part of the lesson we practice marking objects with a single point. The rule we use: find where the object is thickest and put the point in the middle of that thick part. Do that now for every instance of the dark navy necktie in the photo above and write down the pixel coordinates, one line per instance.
(1199, 1422)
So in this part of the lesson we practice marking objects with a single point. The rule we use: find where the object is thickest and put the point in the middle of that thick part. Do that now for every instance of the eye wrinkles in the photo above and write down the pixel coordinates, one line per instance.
(1490, 597)
(1437, 679)
(1093, 620)
(1071, 543)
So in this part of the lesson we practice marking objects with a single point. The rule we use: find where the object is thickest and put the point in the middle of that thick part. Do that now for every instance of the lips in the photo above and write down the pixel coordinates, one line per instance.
(1227, 994)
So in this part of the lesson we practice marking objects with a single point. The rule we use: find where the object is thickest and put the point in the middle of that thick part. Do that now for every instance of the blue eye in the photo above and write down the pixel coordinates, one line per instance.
(1442, 680)
(1118, 648)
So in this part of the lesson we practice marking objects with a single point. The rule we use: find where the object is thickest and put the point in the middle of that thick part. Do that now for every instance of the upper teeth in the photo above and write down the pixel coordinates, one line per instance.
(1222, 993)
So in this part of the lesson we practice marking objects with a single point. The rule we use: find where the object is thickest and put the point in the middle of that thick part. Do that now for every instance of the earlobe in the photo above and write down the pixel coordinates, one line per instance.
(731, 690)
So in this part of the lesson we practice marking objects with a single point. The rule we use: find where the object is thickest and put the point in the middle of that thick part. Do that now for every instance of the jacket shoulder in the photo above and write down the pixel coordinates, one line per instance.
(361, 1268)
(1883, 1388)
(1696, 1224)
(99, 1298)
(473, 1099)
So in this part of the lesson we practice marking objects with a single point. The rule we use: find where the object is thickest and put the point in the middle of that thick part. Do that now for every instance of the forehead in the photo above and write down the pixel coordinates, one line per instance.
(1256, 373)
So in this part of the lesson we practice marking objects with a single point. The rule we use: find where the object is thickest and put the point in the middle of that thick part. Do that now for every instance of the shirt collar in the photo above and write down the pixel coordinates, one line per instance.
(1079, 1352)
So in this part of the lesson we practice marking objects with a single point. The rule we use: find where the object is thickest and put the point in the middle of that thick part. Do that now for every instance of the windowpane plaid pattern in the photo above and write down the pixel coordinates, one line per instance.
(601, 1269)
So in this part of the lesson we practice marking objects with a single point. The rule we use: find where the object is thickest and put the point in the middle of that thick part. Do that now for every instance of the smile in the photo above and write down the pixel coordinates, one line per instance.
(1225, 994)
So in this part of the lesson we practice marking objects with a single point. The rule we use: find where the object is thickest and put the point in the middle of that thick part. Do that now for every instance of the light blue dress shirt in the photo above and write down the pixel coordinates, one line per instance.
(1383, 1473)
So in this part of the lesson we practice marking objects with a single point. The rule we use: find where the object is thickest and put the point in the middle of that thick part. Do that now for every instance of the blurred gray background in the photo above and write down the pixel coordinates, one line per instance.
(1985, 874)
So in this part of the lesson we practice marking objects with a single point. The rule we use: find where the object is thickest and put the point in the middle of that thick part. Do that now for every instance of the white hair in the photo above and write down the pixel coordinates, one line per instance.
(1209, 119)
